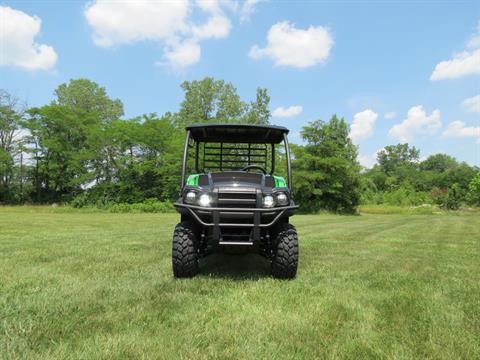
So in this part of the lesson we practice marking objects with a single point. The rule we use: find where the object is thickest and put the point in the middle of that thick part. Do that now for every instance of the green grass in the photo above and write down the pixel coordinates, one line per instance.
(85, 285)
(425, 209)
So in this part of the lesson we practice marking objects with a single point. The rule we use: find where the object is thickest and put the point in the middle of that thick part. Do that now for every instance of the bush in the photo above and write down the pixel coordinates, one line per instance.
(439, 196)
(450, 199)
(148, 206)
(80, 201)
(473, 196)
(405, 195)
(454, 197)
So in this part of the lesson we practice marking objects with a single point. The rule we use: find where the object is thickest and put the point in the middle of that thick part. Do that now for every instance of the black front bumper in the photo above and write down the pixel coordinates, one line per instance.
(256, 218)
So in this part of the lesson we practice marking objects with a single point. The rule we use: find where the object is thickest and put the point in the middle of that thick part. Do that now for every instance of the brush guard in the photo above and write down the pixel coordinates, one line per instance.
(255, 214)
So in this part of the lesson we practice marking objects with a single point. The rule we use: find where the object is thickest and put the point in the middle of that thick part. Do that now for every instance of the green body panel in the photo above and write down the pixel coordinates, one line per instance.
(193, 180)
(280, 182)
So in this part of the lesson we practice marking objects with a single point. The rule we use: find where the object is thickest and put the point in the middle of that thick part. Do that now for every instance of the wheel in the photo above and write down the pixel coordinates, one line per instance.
(184, 252)
(285, 259)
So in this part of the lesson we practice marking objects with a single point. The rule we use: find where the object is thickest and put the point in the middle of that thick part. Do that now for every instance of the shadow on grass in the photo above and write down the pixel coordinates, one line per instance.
(235, 266)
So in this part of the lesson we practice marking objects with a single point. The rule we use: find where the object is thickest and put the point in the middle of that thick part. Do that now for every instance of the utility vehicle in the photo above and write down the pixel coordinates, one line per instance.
(233, 200)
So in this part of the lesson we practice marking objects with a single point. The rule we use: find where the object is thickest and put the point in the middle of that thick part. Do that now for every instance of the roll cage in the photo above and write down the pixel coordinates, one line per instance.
(223, 147)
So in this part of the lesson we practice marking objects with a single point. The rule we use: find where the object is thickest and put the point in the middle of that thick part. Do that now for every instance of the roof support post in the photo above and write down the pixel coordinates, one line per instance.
(185, 157)
(289, 164)
(197, 146)
(273, 159)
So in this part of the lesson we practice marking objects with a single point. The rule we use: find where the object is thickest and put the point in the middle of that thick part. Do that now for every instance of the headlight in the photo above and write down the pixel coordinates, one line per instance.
(190, 197)
(204, 200)
(282, 199)
(268, 201)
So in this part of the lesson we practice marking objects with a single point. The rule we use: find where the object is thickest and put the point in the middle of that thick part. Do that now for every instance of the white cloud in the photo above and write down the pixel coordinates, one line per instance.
(472, 104)
(474, 41)
(17, 38)
(183, 55)
(367, 161)
(218, 26)
(390, 115)
(416, 123)
(211, 6)
(463, 64)
(167, 22)
(458, 129)
(247, 9)
(289, 46)
(123, 22)
(362, 126)
(291, 111)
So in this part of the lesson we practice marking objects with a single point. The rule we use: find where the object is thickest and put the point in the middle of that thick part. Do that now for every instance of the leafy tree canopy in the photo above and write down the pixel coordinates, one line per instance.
(474, 190)
(12, 112)
(392, 157)
(89, 96)
(327, 174)
(214, 101)
(439, 163)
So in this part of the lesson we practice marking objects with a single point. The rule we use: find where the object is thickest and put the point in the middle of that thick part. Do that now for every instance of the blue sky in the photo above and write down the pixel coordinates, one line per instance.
(397, 71)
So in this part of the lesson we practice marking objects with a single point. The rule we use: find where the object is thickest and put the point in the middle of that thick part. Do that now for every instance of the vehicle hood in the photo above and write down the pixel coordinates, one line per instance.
(242, 178)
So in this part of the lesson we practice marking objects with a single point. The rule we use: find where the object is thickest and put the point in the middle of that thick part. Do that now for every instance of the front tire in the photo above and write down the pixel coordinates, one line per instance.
(184, 252)
(285, 259)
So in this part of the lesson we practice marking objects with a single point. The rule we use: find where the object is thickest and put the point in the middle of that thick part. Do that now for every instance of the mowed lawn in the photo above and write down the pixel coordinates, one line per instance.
(97, 285)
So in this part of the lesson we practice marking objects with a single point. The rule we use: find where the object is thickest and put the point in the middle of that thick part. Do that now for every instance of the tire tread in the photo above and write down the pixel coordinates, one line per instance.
(285, 261)
(184, 253)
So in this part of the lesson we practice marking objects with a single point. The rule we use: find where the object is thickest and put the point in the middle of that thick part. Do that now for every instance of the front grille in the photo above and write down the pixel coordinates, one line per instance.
(237, 199)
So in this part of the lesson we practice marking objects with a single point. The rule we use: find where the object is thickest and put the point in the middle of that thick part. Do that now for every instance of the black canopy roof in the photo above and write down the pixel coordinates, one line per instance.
(237, 133)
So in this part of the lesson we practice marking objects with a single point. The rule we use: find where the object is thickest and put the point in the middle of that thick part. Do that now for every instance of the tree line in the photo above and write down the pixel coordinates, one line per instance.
(79, 149)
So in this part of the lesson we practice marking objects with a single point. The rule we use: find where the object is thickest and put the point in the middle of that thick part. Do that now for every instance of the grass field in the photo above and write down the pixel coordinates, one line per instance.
(96, 285)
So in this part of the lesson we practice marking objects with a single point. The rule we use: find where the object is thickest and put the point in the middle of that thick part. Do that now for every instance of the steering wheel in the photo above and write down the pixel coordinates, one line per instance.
(258, 167)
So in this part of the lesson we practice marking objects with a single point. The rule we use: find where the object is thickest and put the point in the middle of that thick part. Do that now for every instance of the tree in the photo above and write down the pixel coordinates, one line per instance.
(327, 173)
(63, 150)
(214, 101)
(396, 164)
(69, 142)
(141, 160)
(393, 157)
(209, 100)
(461, 175)
(454, 197)
(88, 96)
(474, 190)
(258, 111)
(439, 179)
(148, 158)
(438, 163)
(12, 112)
